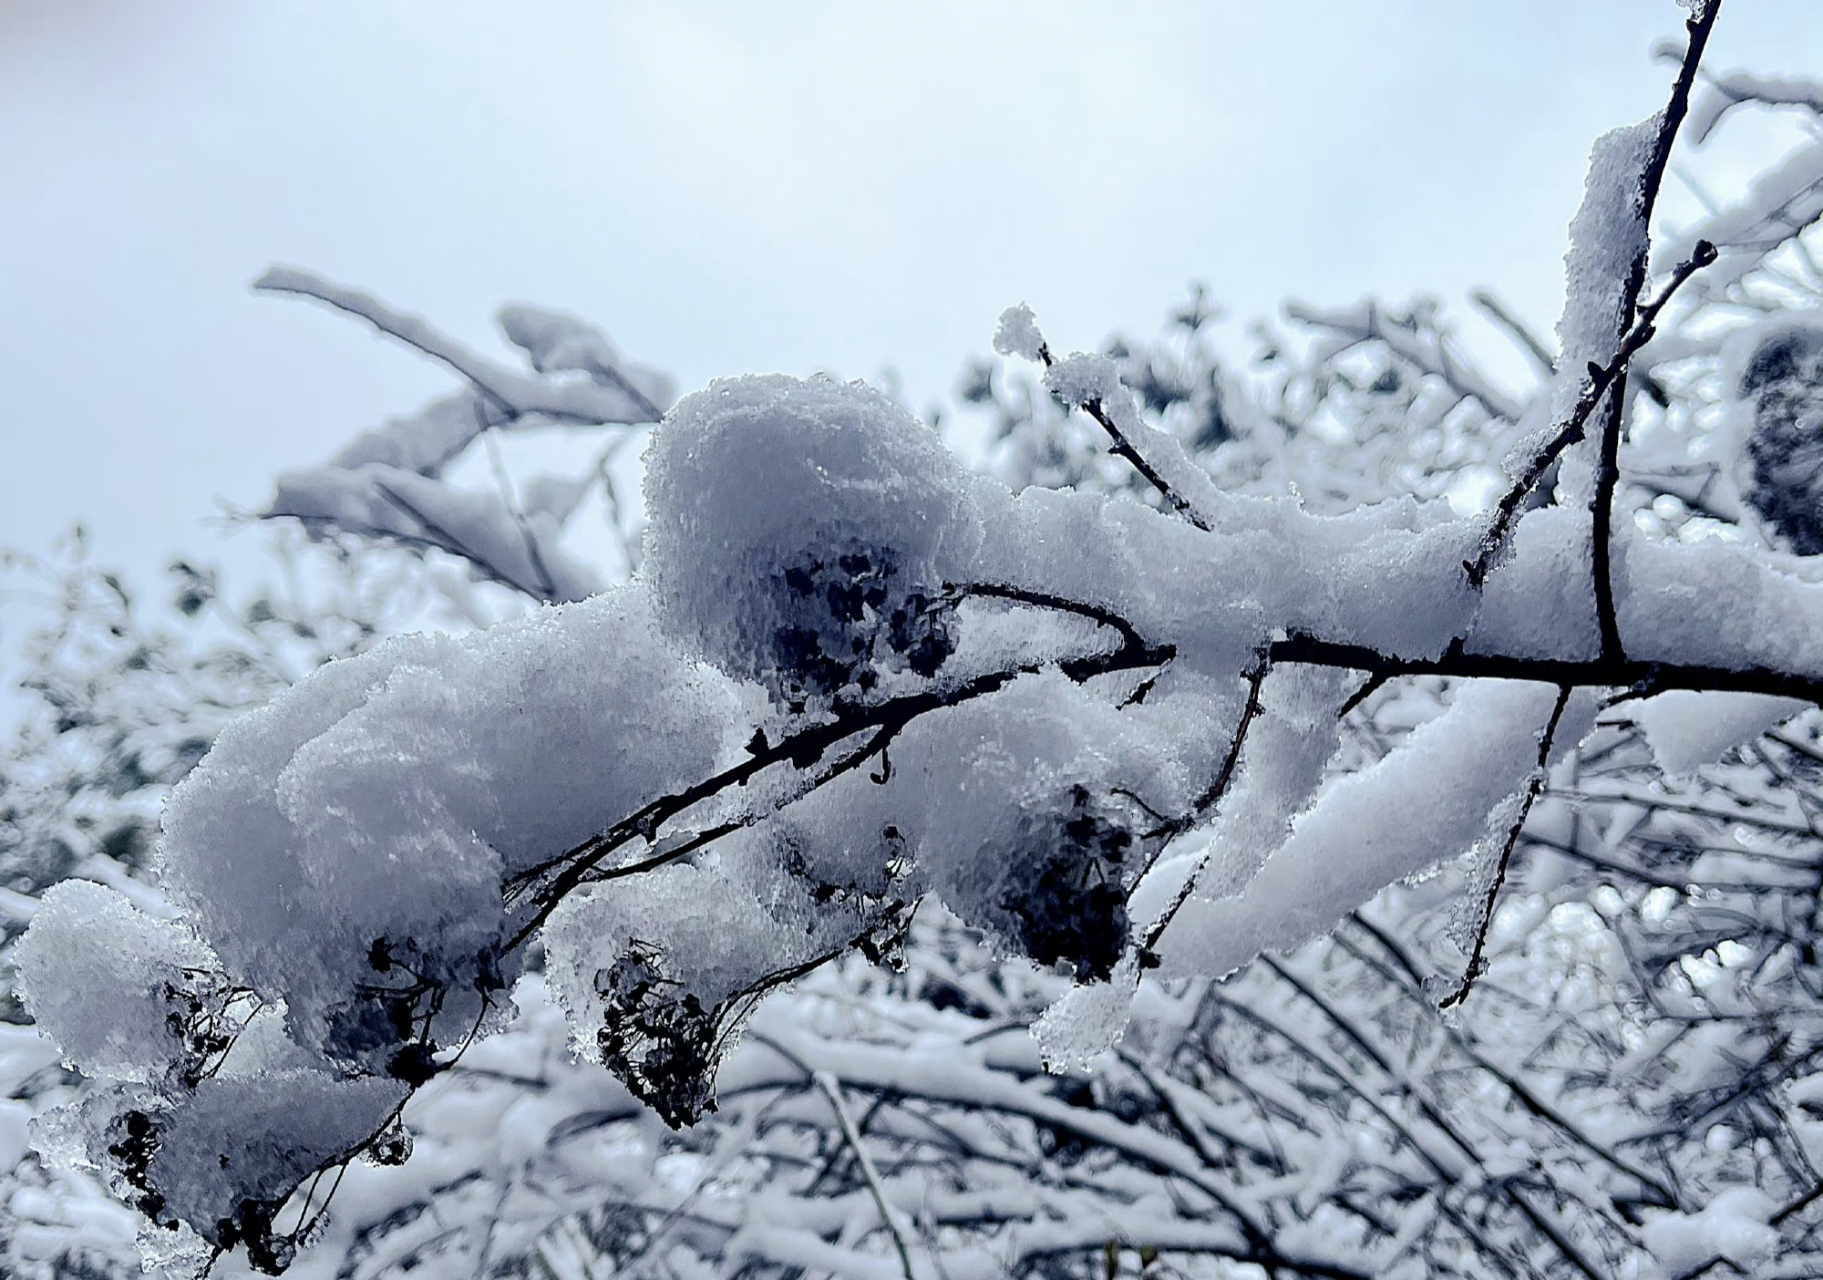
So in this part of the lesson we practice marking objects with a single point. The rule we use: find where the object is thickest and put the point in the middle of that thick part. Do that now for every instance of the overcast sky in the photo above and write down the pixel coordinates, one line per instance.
(734, 187)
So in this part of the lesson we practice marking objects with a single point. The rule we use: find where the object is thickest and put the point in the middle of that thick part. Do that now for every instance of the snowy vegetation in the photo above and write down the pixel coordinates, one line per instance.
(1393, 882)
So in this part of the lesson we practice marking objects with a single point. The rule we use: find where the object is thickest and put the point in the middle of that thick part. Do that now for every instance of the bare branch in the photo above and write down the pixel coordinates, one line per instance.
(1607, 473)
(1217, 788)
(1122, 446)
(1366, 323)
(889, 1215)
(1473, 969)
(1516, 329)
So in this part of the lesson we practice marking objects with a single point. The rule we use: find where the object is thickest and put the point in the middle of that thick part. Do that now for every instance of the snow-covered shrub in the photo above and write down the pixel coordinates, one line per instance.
(1779, 383)
(419, 818)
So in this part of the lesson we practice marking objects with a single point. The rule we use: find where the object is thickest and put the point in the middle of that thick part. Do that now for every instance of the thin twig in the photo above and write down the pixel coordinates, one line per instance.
(1607, 474)
(503, 481)
(1213, 793)
(802, 749)
(1516, 329)
(1045, 600)
(1372, 685)
(1600, 379)
(1473, 968)
(888, 1214)
(1122, 447)
(1367, 323)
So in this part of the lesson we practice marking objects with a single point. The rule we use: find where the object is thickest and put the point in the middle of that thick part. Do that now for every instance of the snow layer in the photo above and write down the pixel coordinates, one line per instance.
(255, 1139)
(1686, 729)
(1428, 801)
(388, 501)
(1732, 1226)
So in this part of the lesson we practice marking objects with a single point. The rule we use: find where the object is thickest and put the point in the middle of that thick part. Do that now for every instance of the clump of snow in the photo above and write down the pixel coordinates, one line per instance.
(342, 857)
(111, 984)
(1018, 335)
(424, 442)
(1032, 805)
(655, 975)
(345, 847)
(386, 501)
(226, 1162)
(557, 342)
(1734, 1226)
(802, 532)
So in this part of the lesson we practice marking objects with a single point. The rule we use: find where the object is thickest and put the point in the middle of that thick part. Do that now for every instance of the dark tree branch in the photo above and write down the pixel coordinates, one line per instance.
(1045, 600)
(534, 554)
(1640, 677)
(1607, 474)
(550, 881)
(1409, 976)
(1517, 329)
(1217, 788)
(889, 1214)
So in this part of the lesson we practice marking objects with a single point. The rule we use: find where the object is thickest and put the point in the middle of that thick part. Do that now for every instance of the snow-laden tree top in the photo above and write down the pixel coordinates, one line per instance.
(849, 676)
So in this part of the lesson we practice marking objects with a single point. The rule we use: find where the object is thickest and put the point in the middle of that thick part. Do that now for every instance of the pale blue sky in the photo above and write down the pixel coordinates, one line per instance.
(734, 187)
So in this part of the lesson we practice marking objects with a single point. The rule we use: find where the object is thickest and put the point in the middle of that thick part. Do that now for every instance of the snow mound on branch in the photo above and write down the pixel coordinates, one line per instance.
(655, 974)
(1026, 814)
(105, 981)
(348, 843)
(1686, 729)
(802, 531)
(1443, 792)
(229, 1159)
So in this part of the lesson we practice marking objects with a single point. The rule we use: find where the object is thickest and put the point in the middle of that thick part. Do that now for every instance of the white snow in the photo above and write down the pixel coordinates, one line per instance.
(1686, 729)
(1018, 335)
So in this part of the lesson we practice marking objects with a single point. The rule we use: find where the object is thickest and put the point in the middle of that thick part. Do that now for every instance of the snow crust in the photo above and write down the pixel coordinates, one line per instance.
(387, 500)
